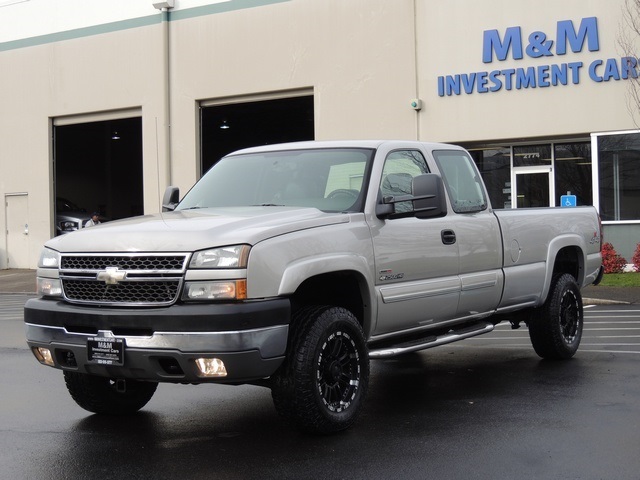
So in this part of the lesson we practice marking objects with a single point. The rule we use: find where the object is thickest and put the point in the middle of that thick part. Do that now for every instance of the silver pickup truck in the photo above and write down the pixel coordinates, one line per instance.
(291, 266)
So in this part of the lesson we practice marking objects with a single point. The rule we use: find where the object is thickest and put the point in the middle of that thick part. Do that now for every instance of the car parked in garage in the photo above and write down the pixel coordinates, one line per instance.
(69, 216)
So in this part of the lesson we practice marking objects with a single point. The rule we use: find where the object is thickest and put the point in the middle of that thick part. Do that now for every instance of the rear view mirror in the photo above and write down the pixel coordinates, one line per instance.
(170, 199)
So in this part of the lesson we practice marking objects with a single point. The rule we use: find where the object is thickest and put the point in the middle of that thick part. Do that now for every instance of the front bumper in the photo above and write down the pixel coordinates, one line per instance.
(162, 344)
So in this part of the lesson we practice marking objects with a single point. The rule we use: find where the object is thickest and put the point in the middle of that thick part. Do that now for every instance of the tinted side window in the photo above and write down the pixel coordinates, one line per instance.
(461, 180)
(399, 169)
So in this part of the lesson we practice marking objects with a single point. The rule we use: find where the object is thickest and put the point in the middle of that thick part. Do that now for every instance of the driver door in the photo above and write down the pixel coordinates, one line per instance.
(417, 282)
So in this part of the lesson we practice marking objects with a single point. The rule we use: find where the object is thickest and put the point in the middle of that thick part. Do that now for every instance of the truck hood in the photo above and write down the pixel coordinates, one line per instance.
(190, 230)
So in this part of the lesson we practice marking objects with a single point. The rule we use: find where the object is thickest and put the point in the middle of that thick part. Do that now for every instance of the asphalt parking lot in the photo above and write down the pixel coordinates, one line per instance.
(484, 408)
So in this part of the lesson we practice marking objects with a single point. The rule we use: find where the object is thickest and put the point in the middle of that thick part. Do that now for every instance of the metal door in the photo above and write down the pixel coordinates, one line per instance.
(17, 230)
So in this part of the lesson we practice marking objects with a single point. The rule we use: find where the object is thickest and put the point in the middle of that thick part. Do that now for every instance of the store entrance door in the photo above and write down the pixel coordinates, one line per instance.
(533, 188)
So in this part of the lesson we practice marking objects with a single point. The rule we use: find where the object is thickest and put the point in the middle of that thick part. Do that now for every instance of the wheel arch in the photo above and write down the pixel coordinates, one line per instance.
(566, 254)
(339, 282)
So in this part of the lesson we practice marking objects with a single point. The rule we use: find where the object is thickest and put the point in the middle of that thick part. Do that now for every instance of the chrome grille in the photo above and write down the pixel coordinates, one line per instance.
(124, 262)
(123, 279)
(126, 292)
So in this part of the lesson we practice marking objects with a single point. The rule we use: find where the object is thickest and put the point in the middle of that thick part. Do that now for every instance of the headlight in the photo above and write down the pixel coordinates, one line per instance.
(49, 259)
(68, 226)
(234, 256)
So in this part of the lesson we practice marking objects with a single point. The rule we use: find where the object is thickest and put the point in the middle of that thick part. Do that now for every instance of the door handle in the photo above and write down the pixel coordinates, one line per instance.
(448, 237)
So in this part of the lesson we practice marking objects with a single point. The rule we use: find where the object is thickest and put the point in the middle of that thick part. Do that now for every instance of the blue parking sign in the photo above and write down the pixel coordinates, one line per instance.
(568, 201)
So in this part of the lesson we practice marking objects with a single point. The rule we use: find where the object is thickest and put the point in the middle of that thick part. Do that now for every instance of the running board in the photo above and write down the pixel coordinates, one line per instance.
(432, 341)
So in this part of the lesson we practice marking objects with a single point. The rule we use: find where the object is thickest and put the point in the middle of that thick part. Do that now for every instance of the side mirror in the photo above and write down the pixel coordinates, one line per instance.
(170, 199)
(429, 197)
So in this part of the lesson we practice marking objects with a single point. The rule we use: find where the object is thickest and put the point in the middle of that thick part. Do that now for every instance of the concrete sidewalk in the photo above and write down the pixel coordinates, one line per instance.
(17, 281)
(24, 281)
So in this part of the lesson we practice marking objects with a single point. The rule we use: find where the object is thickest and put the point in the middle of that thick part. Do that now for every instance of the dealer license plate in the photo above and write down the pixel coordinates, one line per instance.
(106, 351)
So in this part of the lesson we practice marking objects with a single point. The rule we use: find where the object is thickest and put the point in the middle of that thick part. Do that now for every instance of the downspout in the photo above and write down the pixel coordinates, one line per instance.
(416, 67)
(165, 7)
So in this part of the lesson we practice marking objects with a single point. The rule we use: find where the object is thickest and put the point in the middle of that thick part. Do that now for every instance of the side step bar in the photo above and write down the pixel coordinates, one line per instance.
(432, 341)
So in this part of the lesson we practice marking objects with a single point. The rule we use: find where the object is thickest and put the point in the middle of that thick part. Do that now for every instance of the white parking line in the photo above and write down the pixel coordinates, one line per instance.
(618, 311)
(528, 346)
(614, 322)
(609, 351)
(609, 329)
(625, 336)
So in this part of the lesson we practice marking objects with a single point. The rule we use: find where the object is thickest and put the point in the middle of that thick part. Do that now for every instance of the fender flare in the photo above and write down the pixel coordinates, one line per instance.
(557, 244)
(301, 270)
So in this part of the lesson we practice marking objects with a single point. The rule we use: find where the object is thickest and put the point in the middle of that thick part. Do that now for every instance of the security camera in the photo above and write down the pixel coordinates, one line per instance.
(165, 4)
(416, 104)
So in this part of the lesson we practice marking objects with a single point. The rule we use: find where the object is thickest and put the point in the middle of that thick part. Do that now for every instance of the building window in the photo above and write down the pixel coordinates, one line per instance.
(532, 155)
(495, 167)
(573, 172)
(540, 170)
(619, 176)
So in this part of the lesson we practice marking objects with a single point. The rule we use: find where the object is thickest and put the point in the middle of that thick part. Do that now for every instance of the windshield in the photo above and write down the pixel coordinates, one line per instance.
(64, 205)
(328, 179)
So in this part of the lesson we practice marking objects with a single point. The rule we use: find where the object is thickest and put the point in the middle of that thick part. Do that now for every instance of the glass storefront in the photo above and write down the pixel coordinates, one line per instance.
(619, 176)
(536, 175)
(573, 172)
(531, 155)
(494, 164)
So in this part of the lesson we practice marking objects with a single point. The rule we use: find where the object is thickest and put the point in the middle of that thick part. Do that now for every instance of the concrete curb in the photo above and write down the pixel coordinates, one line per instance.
(602, 301)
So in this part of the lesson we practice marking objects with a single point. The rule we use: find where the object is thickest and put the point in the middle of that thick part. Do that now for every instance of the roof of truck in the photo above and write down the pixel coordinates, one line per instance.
(343, 144)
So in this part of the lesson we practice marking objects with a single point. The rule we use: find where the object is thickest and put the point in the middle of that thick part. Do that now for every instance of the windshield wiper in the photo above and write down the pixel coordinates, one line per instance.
(268, 205)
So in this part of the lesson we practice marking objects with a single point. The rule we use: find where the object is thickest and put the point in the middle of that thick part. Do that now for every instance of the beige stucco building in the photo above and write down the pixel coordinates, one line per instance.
(539, 92)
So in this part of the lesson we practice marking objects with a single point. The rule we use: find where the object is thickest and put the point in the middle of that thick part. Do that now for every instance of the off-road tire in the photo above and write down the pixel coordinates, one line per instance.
(101, 395)
(556, 330)
(321, 386)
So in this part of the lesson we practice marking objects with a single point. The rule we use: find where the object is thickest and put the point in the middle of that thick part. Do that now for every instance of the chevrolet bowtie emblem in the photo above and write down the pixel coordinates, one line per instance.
(111, 275)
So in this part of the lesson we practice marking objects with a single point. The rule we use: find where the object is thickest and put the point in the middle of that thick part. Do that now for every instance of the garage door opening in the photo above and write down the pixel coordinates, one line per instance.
(98, 167)
(229, 127)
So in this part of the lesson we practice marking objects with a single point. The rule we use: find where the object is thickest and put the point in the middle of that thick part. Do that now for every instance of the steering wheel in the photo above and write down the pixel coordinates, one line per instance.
(344, 192)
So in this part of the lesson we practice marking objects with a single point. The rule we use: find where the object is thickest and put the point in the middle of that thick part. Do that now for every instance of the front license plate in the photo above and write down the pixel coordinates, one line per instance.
(105, 351)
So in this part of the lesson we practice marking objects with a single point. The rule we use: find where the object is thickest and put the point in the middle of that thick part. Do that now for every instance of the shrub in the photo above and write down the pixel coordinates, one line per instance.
(613, 263)
(636, 258)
